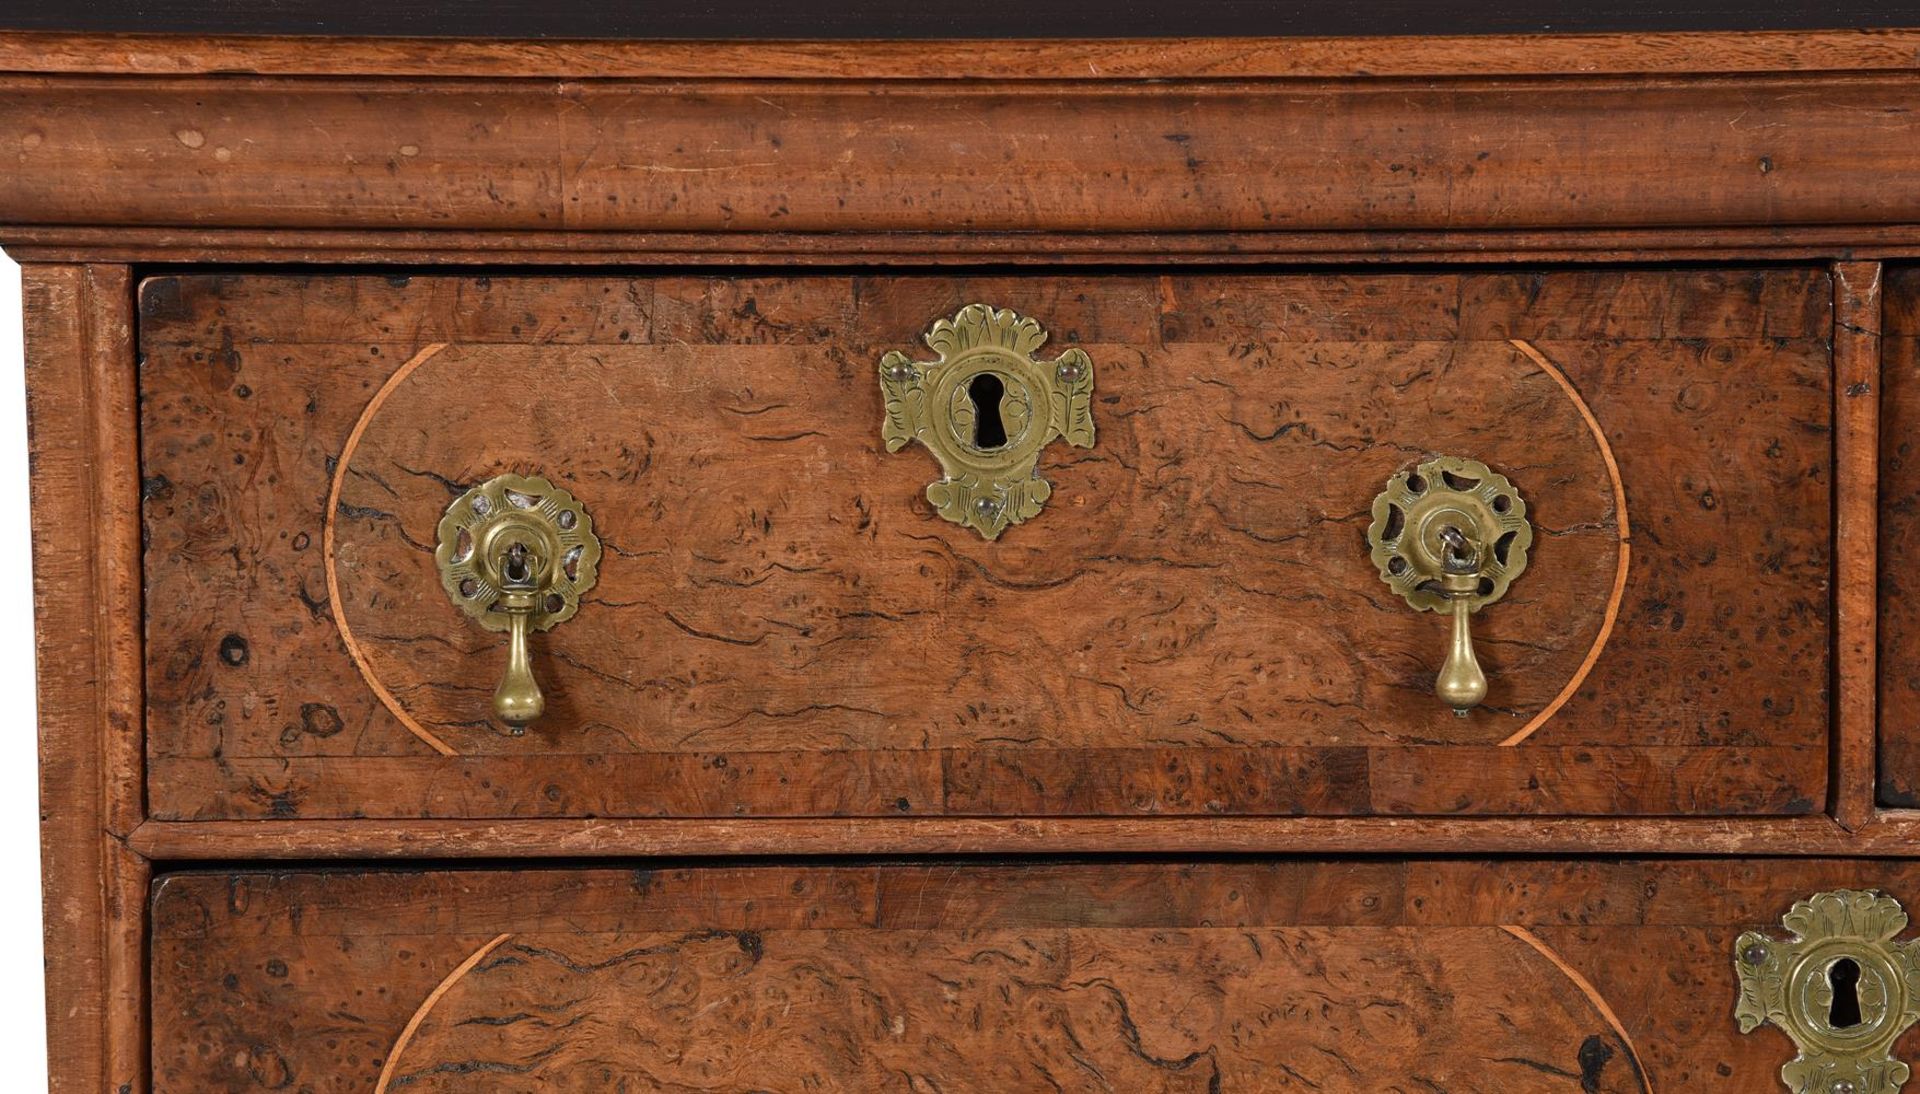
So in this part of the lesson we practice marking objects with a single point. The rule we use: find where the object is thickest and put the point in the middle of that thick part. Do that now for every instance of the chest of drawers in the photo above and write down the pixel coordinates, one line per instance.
(1199, 565)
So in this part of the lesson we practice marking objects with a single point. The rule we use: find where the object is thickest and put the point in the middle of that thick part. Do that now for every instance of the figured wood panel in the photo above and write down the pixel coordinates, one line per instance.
(718, 156)
(1899, 541)
(1513, 976)
(783, 628)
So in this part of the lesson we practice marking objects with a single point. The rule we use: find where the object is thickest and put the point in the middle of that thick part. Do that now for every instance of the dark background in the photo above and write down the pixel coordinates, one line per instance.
(937, 18)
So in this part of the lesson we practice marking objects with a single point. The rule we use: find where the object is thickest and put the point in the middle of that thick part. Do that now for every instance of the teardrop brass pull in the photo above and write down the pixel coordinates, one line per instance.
(516, 554)
(1461, 683)
(1451, 535)
(517, 701)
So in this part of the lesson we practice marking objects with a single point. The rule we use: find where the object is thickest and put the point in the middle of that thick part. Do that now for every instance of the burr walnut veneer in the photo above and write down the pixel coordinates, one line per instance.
(1130, 776)
(779, 630)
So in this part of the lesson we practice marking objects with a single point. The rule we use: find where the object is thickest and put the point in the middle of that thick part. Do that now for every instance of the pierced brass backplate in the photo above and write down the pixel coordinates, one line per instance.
(985, 409)
(516, 554)
(1410, 540)
(1450, 536)
(1842, 988)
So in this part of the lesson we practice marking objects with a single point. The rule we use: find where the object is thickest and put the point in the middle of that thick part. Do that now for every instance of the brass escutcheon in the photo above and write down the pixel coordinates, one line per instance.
(985, 409)
(1450, 536)
(1842, 988)
(516, 554)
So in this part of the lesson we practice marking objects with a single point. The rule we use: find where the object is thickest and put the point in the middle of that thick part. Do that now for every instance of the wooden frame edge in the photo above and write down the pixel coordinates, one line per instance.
(1856, 478)
(1650, 52)
(560, 249)
(115, 156)
(81, 422)
(1813, 835)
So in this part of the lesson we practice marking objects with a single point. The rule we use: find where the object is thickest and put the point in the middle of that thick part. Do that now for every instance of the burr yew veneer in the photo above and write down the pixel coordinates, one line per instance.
(1321, 564)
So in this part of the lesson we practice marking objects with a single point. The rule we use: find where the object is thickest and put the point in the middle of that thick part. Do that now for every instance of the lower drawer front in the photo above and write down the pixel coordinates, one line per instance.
(1452, 976)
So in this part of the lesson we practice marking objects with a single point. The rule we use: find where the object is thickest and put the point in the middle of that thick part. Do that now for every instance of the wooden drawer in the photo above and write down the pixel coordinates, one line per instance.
(1505, 977)
(1899, 594)
(783, 626)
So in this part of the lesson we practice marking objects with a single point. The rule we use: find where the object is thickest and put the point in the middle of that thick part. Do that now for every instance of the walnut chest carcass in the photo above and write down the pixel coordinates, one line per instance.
(1199, 565)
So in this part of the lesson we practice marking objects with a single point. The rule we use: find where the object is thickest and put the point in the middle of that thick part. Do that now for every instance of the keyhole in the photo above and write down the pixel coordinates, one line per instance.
(1844, 977)
(988, 430)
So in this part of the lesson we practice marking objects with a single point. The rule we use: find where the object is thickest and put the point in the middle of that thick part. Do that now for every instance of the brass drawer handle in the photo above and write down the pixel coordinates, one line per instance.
(1842, 988)
(516, 554)
(1450, 536)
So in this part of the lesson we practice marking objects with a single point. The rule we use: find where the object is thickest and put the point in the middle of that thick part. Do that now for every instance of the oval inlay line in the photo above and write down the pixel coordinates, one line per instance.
(340, 466)
(391, 1066)
(420, 1014)
(1619, 592)
(1593, 996)
(387, 699)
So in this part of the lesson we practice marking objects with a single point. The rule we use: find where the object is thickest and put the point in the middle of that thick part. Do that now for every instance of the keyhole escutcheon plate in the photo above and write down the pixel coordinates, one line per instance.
(1841, 988)
(985, 409)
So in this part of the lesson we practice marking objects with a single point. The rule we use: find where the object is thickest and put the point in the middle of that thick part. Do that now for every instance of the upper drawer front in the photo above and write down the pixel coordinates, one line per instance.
(783, 625)
(1468, 977)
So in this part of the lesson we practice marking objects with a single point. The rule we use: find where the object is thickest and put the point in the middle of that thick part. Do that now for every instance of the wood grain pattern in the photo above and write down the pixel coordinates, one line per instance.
(1161, 58)
(86, 569)
(1085, 1016)
(723, 433)
(390, 1067)
(803, 156)
(1599, 1001)
(1623, 566)
(1856, 368)
(922, 249)
(1898, 617)
(1891, 833)
(1465, 975)
(328, 555)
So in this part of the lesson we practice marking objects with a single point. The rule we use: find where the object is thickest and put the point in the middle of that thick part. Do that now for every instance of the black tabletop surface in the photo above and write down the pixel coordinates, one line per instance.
(795, 19)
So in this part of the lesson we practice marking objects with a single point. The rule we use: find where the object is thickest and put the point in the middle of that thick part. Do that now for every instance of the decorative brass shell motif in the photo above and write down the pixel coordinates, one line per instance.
(985, 409)
(1841, 988)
